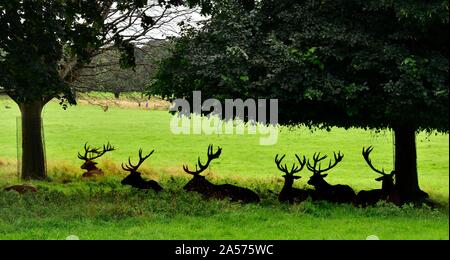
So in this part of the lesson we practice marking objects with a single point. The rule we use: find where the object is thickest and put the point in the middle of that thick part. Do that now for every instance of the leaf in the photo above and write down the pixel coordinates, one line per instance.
(244, 78)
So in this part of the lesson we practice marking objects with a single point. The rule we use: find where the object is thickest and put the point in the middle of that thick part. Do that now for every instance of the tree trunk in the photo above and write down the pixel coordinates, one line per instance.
(407, 182)
(33, 158)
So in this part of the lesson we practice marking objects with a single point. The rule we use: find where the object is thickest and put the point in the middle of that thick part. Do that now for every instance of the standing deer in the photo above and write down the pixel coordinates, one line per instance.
(226, 191)
(324, 190)
(288, 193)
(91, 154)
(134, 179)
(387, 191)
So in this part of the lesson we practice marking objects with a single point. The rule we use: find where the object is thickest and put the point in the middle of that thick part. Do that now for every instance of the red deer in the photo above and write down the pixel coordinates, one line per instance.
(134, 179)
(288, 193)
(22, 189)
(386, 193)
(226, 191)
(91, 154)
(324, 190)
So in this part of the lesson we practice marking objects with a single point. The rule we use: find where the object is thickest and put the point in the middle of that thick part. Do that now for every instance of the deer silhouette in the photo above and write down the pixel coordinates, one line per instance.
(135, 179)
(288, 193)
(200, 185)
(387, 192)
(91, 154)
(323, 190)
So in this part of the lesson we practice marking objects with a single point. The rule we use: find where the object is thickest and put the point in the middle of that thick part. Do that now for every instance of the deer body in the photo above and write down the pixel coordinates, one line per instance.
(90, 154)
(370, 197)
(323, 190)
(387, 192)
(200, 185)
(22, 189)
(91, 170)
(293, 195)
(134, 179)
(333, 193)
(288, 193)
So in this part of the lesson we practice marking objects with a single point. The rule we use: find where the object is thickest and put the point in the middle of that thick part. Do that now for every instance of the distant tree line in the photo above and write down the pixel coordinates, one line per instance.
(104, 73)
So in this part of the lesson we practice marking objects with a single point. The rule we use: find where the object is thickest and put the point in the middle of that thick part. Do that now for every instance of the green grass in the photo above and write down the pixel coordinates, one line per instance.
(103, 209)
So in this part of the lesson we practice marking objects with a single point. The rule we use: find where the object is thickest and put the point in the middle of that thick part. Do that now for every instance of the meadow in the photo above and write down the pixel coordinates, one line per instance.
(104, 209)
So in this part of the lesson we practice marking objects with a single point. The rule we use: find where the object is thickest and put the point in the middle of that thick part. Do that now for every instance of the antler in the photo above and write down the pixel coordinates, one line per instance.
(86, 151)
(130, 167)
(211, 156)
(366, 154)
(94, 152)
(106, 148)
(294, 168)
(317, 162)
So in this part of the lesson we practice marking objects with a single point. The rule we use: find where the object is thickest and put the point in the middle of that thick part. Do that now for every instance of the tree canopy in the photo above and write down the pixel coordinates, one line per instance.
(357, 63)
(44, 43)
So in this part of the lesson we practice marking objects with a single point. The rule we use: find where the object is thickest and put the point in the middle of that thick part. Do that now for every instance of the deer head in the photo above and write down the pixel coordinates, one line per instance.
(91, 154)
(386, 179)
(316, 168)
(289, 176)
(134, 178)
(198, 182)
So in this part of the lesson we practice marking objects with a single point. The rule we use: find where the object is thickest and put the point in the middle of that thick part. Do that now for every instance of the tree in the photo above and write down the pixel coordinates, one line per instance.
(346, 63)
(44, 44)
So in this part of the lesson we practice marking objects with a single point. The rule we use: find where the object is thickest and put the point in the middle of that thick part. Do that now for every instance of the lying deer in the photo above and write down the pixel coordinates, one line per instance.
(226, 191)
(324, 190)
(22, 188)
(288, 193)
(387, 192)
(91, 154)
(134, 179)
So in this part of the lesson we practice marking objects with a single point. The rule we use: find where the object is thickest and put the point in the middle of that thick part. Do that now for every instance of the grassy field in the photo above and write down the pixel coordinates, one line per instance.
(103, 209)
